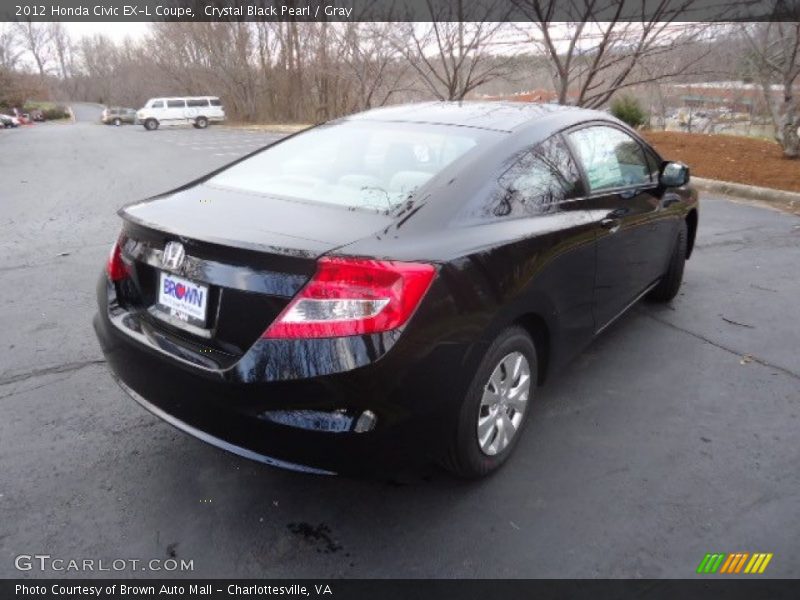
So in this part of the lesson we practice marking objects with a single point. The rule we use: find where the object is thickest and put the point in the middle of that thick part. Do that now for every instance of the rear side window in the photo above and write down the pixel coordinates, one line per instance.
(610, 157)
(197, 103)
(216, 102)
(176, 104)
(541, 178)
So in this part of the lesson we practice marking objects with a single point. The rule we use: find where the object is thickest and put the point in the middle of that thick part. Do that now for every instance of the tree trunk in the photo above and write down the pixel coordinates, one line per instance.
(789, 137)
(791, 141)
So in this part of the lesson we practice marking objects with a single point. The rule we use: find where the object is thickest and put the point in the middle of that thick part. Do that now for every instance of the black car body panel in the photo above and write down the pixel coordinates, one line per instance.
(563, 270)
(225, 217)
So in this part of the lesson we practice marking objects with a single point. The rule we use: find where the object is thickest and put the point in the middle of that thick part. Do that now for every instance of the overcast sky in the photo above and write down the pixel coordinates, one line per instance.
(116, 31)
(513, 37)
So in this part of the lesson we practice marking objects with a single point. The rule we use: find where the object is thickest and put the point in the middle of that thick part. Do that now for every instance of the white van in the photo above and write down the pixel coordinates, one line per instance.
(196, 110)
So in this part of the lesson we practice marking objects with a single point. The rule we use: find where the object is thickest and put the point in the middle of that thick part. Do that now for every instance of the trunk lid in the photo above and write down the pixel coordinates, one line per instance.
(248, 254)
(255, 221)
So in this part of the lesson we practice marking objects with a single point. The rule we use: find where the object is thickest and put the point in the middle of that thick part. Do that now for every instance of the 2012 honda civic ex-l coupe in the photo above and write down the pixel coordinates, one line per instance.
(397, 282)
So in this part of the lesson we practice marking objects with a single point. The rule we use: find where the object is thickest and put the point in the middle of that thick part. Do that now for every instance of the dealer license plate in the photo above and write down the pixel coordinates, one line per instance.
(183, 299)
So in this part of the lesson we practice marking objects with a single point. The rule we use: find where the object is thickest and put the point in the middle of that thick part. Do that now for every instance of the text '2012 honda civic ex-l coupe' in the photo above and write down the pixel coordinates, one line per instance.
(393, 283)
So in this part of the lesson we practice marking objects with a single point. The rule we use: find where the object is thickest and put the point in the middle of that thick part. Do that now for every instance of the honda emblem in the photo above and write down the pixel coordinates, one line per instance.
(173, 255)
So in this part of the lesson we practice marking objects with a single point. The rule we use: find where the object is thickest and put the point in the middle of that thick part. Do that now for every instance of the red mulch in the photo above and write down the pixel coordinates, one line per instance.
(729, 158)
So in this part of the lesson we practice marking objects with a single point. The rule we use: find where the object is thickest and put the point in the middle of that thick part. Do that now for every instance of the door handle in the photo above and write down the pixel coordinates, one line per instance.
(618, 213)
(610, 224)
(669, 201)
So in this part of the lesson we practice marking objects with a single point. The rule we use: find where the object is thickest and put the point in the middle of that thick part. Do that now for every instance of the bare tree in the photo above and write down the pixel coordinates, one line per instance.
(450, 56)
(373, 61)
(775, 59)
(199, 57)
(10, 49)
(8, 60)
(98, 56)
(15, 85)
(604, 47)
(63, 49)
(36, 40)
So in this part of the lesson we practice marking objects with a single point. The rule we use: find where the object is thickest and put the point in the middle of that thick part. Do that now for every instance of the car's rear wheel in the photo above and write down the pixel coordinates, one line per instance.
(151, 124)
(490, 421)
(670, 283)
(117, 122)
(201, 122)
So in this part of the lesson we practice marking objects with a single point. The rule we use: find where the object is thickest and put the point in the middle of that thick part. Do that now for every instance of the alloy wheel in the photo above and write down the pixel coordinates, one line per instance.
(503, 404)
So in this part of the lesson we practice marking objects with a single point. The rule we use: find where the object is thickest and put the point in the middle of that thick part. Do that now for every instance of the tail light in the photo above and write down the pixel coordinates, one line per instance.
(117, 270)
(350, 296)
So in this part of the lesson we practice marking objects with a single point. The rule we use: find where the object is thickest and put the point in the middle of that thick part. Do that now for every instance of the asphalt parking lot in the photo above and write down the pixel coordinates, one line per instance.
(674, 435)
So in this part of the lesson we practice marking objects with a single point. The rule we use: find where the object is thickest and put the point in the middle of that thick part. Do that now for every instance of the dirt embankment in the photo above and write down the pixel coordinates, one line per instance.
(729, 158)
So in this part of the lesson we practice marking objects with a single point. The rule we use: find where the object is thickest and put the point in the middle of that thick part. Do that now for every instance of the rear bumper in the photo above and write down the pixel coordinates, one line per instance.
(283, 422)
(215, 441)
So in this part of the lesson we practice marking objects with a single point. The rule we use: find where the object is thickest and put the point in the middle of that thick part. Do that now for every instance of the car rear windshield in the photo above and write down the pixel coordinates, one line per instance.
(357, 164)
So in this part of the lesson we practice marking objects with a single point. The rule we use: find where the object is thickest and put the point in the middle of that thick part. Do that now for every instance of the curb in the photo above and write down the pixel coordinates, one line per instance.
(270, 128)
(740, 190)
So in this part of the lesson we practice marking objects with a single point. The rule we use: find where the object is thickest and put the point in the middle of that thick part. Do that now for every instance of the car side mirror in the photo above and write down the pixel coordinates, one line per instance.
(674, 174)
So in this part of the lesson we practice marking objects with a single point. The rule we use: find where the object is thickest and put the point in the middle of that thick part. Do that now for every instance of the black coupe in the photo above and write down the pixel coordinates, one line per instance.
(393, 283)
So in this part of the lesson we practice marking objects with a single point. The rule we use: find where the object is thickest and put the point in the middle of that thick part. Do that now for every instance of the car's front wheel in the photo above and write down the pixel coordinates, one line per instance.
(151, 124)
(670, 283)
(201, 122)
(490, 421)
(117, 122)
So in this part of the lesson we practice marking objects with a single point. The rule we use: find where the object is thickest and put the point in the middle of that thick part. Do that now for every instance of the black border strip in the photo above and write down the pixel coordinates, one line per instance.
(396, 10)
(390, 589)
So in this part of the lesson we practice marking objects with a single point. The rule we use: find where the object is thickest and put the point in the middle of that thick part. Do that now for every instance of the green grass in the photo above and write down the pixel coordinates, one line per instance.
(40, 104)
(52, 110)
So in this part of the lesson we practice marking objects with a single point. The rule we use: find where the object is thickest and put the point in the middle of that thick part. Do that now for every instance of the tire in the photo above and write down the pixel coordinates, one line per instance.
(465, 456)
(151, 124)
(201, 122)
(670, 283)
(117, 122)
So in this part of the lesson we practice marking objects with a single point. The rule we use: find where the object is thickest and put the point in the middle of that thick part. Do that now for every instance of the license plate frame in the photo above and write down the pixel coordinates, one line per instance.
(183, 300)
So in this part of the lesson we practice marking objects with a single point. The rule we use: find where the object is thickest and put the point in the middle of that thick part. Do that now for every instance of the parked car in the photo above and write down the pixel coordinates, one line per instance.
(393, 283)
(198, 111)
(117, 116)
(9, 120)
